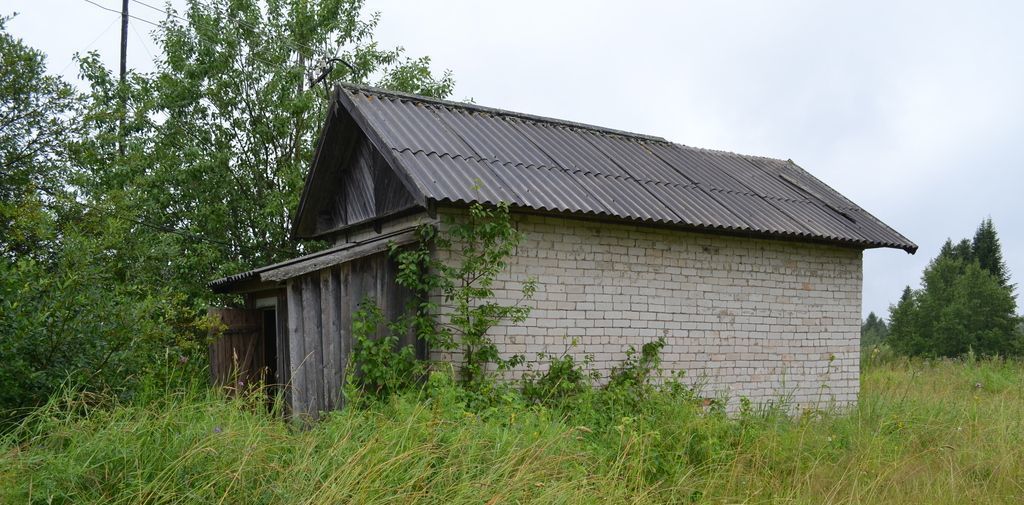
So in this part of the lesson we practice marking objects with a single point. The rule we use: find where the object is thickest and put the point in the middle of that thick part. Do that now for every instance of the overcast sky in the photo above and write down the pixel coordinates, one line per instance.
(914, 110)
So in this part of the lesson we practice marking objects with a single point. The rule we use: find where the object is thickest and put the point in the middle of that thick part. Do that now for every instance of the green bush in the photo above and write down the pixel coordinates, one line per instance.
(563, 378)
(71, 320)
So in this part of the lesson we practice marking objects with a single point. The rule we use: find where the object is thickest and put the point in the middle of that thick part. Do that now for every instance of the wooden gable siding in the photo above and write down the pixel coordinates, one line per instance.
(350, 183)
(321, 305)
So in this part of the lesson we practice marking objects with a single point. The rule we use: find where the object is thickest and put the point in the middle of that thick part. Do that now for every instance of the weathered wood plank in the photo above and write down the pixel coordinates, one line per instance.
(333, 148)
(329, 308)
(236, 355)
(344, 254)
(283, 362)
(356, 189)
(296, 350)
(399, 299)
(390, 195)
(345, 304)
(313, 350)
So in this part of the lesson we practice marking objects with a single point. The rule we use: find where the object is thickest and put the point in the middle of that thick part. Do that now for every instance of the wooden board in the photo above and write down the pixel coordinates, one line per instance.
(284, 375)
(313, 354)
(320, 307)
(237, 357)
(296, 349)
(330, 308)
(338, 255)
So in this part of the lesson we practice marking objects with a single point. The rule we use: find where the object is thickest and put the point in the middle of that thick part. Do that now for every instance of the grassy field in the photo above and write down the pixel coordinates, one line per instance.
(939, 432)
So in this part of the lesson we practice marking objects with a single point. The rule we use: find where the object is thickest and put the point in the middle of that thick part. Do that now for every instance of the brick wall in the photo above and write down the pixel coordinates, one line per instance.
(744, 317)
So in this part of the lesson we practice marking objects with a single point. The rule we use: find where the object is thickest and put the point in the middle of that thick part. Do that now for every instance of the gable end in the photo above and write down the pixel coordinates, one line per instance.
(349, 183)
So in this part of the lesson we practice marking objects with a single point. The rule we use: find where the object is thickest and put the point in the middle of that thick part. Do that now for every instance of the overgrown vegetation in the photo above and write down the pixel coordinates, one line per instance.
(452, 275)
(119, 201)
(934, 432)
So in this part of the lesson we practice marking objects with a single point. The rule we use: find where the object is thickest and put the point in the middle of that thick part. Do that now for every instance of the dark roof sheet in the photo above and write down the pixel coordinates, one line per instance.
(459, 152)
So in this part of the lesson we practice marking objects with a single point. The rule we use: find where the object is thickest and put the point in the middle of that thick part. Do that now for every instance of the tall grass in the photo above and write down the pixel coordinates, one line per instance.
(923, 432)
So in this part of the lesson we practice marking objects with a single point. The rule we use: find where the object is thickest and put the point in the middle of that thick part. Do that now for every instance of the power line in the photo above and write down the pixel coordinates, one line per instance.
(291, 43)
(198, 34)
(142, 42)
(119, 13)
(158, 9)
(98, 37)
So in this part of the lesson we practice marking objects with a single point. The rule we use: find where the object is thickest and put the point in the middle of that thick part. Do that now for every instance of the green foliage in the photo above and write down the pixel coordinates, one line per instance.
(120, 201)
(33, 122)
(450, 272)
(986, 250)
(904, 324)
(639, 367)
(224, 165)
(457, 279)
(74, 306)
(72, 320)
(873, 331)
(382, 365)
(961, 307)
(563, 378)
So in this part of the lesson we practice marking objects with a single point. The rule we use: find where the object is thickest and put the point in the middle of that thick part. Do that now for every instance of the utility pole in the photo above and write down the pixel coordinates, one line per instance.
(124, 38)
(124, 71)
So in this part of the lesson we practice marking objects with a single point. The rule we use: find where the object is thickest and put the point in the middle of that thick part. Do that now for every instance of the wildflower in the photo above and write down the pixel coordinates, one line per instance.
(977, 385)
(183, 359)
(241, 384)
(216, 429)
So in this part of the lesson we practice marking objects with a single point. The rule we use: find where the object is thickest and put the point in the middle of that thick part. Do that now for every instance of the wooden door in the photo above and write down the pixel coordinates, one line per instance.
(238, 351)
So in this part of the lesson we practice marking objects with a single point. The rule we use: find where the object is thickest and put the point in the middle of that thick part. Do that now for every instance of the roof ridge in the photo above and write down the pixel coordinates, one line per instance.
(543, 119)
(732, 153)
(502, 112)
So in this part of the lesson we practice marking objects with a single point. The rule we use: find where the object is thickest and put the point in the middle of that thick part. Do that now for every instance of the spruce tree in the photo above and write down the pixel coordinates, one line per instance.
(873, 332)
(986, 249)
(965, 303)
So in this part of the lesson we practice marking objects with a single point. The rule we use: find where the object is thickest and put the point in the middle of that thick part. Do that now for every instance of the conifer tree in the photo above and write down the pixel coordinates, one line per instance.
(986, 249)
(965, 303)
(873, 332)
(904, 337)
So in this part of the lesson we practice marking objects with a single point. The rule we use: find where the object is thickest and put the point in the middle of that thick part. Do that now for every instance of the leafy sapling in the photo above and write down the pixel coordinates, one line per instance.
(477, 246)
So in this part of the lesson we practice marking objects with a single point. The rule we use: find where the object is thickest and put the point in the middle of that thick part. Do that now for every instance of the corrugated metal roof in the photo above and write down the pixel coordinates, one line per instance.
(458, 152)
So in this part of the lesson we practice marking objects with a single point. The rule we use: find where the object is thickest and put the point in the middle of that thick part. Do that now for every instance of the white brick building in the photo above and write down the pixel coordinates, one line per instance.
(744, 317)
(749, 267)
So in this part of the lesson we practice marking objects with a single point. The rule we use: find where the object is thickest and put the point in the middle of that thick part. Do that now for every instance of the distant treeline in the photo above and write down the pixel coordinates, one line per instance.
(966, 304)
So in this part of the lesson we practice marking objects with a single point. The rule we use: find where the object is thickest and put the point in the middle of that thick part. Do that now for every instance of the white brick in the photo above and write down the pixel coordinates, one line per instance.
(751, 317)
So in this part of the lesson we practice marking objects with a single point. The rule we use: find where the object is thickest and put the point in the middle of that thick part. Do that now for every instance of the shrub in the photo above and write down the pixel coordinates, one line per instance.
(462, 289)
(563, 377)
(380, 365)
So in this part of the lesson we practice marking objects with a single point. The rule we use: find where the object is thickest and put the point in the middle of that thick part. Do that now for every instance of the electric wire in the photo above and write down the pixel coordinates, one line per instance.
(119, 13)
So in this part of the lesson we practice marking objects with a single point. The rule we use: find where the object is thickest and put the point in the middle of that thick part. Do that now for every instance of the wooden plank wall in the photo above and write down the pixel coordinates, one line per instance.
(320, 305)
(237, 353)
(283, 358)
